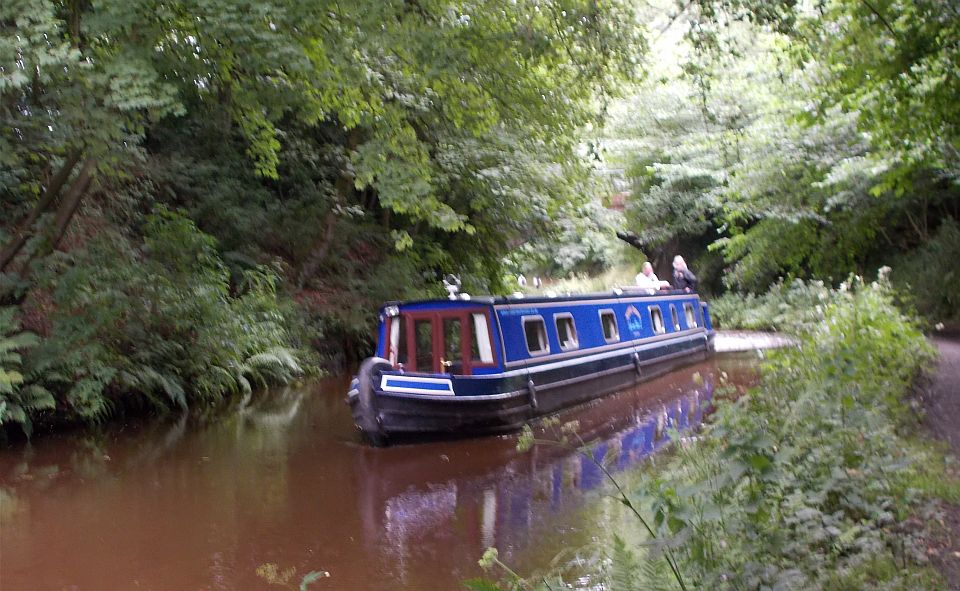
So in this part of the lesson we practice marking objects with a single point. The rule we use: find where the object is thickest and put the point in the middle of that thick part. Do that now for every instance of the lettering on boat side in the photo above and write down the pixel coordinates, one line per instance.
(518, 311)
(634, 322)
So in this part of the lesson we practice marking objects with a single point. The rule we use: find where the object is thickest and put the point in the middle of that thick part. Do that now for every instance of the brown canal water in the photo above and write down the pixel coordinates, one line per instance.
(205, 504)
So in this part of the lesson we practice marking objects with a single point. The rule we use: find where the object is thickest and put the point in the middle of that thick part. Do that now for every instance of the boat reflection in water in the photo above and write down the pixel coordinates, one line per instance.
(521, 500)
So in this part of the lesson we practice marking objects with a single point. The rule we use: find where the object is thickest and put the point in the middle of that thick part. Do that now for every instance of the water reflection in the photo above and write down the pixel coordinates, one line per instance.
(202, 502)
(507, 507)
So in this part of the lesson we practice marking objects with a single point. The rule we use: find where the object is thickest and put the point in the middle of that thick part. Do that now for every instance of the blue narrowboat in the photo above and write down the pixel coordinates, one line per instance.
(472, 366)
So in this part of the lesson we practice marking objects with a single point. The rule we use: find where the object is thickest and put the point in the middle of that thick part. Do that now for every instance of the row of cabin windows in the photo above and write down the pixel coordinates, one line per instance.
(481, 348)
(535, 331)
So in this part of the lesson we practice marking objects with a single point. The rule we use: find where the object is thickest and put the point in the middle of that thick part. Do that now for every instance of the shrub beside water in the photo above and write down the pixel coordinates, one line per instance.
(793, 306)
(807, 482)
(155, 325)
(929, 275)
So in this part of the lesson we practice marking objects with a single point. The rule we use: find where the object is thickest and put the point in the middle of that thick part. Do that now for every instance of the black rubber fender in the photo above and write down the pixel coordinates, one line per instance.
(368, 417)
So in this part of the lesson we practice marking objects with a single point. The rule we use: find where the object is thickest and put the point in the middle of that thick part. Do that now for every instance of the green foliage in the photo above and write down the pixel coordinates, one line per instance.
(795, 307)
(162, 329)
(369, 147)
(18, 401)
(805, 482)
(272, 574)
(928, 276)
(782, 138)
(794, 485)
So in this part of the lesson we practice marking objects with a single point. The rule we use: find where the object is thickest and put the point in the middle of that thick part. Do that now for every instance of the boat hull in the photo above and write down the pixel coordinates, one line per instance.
(501, 403)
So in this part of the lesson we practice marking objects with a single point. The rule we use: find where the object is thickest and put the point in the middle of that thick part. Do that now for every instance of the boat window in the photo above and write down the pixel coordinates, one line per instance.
(423, 335)
(674, 317)
(566, 331)
(480, 347)
(611, 331)
(452, 352)
(535, 333)
(656, 317)
(690, 314)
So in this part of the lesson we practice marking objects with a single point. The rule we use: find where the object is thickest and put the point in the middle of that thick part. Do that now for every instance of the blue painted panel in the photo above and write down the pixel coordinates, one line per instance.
(421, 385)
(441, 305)
(515, 347)
(509, 345)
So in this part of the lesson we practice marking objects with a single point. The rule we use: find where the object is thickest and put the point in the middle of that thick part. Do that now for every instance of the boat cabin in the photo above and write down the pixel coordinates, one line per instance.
(490, 335)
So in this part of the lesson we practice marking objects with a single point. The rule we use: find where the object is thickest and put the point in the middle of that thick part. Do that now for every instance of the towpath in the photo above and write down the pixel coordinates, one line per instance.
(941, 401)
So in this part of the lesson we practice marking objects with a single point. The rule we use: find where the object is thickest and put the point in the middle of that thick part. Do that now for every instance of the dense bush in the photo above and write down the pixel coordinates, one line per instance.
(17, 401)
(155, 325)
(802, 482)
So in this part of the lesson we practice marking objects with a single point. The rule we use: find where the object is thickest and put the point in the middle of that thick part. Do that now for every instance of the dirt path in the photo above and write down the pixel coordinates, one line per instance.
(941, 402)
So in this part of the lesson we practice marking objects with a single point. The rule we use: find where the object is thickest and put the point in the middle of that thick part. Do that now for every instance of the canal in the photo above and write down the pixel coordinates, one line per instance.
(285, 486)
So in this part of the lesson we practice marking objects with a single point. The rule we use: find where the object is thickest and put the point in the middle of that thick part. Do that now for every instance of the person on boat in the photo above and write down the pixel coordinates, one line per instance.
(649, 280)
(683, 278)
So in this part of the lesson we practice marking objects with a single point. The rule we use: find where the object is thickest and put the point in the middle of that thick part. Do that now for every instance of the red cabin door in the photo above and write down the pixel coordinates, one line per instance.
(436, 339)
(452, 342)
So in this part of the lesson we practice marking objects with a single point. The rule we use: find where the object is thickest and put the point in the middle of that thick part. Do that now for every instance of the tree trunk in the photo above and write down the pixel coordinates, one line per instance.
(319, 253)
(631, 239)
(22, 233)
(71, 202)
(65, 212)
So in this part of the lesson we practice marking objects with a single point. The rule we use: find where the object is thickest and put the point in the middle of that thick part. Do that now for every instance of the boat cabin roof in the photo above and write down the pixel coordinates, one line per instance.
(487, 300)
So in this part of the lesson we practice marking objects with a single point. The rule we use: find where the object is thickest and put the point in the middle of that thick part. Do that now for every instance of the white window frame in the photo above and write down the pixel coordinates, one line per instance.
(573, 330)
(691, 315)
(658, 328)
(481, 334)
(546, 340)
(616, 326)
(394, 347)
(675, 318)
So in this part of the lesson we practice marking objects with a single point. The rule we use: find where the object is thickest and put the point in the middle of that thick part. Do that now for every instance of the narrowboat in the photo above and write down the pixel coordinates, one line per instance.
(468, 366)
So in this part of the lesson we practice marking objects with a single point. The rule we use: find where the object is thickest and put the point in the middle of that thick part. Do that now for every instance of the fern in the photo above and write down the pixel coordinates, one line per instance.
(18, 401)
(160, 388)
(274, 366)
